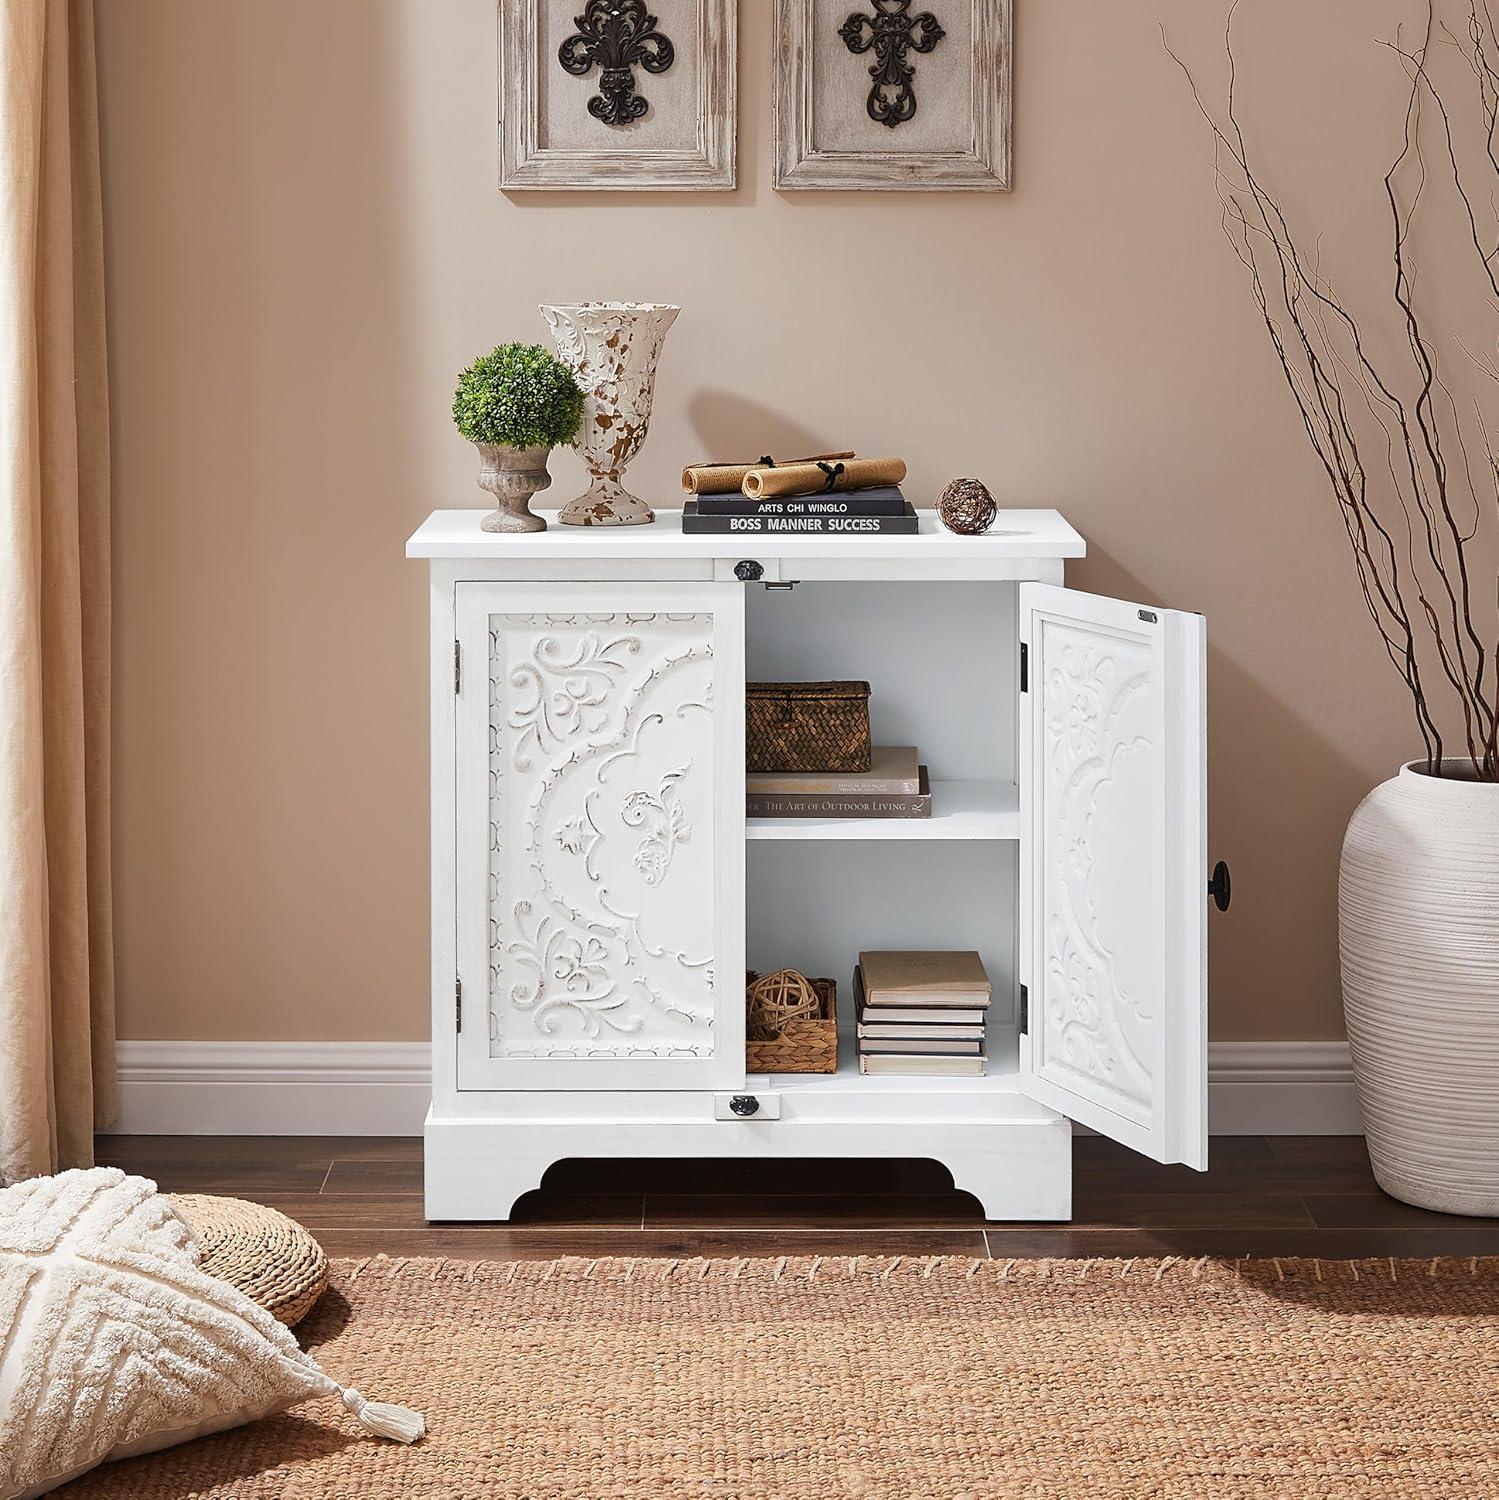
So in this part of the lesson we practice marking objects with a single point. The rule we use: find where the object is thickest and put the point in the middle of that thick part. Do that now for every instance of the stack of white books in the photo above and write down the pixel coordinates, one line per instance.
(921, 1012)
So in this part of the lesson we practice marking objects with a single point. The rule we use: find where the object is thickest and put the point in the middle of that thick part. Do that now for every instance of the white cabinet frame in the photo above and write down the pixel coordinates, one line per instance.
(498, 1122)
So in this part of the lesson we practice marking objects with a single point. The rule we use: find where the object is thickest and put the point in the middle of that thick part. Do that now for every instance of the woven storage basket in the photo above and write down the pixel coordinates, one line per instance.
(806, 726)
(260, 1252)
(802, 1046)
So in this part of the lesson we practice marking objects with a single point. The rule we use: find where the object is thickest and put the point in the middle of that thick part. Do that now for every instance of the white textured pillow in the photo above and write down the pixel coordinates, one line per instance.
(114, 1343)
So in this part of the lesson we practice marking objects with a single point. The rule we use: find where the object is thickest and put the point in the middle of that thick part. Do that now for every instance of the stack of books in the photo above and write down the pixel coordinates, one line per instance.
(921, 1012)
(882, 509)
(894, 786)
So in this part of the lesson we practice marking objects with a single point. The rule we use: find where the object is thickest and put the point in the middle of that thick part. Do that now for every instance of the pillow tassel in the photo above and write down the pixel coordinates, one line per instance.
(384, 1418)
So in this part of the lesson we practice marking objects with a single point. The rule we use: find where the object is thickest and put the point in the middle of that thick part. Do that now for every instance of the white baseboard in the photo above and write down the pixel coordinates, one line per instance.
(381, 1088)
(273, 1088)
(1282, 1088)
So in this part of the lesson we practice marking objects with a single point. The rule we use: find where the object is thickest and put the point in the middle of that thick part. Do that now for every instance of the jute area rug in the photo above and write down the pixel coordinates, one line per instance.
(916, 1378)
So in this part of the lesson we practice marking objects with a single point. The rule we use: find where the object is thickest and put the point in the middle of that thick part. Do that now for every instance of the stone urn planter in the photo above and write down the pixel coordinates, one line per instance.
(612, 349)
(1418, 937)
(512, 476)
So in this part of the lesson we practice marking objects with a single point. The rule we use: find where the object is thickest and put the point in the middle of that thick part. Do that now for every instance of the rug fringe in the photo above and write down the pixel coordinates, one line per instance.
(685, 1271)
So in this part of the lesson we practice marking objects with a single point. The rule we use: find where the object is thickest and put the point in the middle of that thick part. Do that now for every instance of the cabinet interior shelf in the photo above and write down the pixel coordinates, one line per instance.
(1001, 1046)
(960, 810)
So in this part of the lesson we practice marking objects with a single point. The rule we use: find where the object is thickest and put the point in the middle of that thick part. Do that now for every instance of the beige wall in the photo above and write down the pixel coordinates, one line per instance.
(306, 244)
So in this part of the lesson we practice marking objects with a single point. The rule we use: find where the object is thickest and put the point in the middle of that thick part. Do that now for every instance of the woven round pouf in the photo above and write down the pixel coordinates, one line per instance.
(775, 999)
(260, 1252)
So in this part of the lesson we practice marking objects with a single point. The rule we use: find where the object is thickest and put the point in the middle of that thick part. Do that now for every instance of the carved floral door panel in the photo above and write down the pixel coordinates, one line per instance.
(600, 840)
(1113, 946)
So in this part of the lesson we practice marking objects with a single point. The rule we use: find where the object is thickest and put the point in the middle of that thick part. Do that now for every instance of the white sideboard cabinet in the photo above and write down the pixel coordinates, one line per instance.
(598, 893)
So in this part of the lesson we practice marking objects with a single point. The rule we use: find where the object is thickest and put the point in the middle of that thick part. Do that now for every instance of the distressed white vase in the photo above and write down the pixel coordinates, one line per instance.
(1418, 935)
(612, 349)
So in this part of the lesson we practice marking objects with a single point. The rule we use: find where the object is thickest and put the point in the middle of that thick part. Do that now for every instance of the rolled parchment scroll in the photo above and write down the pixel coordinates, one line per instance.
(727, 479)
(822, 477)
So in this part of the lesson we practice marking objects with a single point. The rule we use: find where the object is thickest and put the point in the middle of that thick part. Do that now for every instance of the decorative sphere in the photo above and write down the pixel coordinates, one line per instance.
(967, 507)
(776, 999)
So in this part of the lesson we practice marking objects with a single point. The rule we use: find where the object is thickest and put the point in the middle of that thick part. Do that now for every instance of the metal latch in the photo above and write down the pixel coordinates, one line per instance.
(744, 1106)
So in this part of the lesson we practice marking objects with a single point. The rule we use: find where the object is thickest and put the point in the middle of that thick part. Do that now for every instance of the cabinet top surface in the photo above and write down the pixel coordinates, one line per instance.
(1037, 534)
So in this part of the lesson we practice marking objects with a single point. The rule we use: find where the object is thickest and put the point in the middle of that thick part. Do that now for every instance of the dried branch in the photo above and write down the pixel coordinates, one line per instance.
(1418, 524)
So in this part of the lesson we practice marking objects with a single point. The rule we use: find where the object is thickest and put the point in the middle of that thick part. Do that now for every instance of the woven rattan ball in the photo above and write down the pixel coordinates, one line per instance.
(776, 999)
(262, 1253)
(967, 506)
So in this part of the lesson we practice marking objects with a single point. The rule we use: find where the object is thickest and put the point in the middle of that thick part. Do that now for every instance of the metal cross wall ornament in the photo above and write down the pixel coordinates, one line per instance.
(618, 35)
(893, 32)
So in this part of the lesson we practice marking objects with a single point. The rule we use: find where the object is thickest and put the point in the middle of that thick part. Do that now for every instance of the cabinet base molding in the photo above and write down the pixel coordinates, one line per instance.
(477, 1168)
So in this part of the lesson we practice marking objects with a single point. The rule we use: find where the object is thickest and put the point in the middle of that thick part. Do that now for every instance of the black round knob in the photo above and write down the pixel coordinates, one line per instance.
(744, 1104)
(748, 572)
(1221, 887)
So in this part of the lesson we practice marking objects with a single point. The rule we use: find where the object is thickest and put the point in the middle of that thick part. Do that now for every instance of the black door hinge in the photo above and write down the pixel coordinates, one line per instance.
(1025, 667)
(457, 668)
(1025, 1011)
(458, 1002)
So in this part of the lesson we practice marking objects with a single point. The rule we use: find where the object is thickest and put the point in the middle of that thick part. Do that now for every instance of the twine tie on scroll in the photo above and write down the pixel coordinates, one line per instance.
(833, 472)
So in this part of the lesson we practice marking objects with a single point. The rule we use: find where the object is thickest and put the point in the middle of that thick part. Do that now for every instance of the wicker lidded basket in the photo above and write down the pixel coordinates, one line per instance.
(808, 1045)
(806, 726)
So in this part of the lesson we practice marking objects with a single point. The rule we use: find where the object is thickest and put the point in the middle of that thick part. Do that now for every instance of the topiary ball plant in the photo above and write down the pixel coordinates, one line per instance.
(518, 396)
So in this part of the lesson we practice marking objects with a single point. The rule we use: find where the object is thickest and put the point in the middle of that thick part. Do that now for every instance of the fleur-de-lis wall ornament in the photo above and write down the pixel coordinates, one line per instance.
(618, 35)
(893, 32)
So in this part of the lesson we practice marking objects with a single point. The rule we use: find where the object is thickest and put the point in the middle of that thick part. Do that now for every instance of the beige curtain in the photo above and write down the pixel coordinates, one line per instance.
(56, 962)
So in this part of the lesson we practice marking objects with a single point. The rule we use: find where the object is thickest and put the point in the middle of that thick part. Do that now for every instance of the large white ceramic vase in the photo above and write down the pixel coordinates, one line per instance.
(612, 349)
(1418, 934)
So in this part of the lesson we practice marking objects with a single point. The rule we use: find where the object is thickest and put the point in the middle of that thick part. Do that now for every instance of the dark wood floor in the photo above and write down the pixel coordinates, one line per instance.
(1279, 1195)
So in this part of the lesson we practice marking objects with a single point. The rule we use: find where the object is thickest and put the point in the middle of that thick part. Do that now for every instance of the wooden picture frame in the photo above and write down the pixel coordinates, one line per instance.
(979, 159)
(703, 35)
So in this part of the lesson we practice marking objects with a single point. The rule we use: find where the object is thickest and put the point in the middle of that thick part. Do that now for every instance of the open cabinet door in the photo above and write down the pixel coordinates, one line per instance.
(1113, 926)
